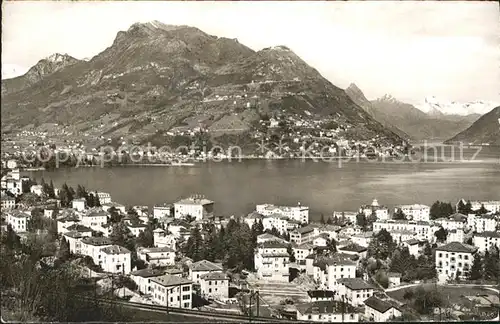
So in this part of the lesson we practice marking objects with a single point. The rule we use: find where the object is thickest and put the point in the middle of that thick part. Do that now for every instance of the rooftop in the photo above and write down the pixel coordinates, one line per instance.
(380, 305)
(277, 244)
(98, 241)
(170, 280)
(115, 249)
(353, 247)
(205, 265)
(355, 283)
(321, 293)
(214, 276)
(155, 250)
(79, 228)
(323, 307)
(194, 201)
(457, 247)
(148, 272)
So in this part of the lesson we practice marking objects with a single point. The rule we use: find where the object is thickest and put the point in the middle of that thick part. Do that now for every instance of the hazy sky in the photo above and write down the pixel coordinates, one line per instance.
(407, 49)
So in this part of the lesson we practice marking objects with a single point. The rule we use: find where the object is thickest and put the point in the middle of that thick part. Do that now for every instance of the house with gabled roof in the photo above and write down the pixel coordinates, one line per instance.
(172, 291)
(379, 310)
(215, 285)
(453, 258)
(354, 290)
(200, 268)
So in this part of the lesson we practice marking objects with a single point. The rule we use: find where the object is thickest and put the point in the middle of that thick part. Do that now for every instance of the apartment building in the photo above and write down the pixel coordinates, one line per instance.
(92, 246)
(326, 311)
(298, 213)
(452, 258)
(172, 291)
(196, 207)
(272, 261)
(486, 240)
(421, 230)
(158, 256)
(354, 290)
(18, 220)
(143, 279)
(116, 259)
(381, 212)
(416, 212)
(214, 285)
(200, 268)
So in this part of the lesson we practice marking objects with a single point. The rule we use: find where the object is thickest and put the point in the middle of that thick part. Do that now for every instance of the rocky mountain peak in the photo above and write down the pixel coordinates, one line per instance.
(354, 89)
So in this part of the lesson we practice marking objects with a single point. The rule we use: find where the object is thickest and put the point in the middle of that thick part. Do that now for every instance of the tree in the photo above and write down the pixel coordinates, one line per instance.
(331, 244)
(441, 234)
(382, 278)
(382, 245)
(194, 247)
(476, 271)
(121, 235)
(440, 209)
(482, 210)
(361, 220)
(492, 264)
(146, 237)
(64, 252)
(291, 253)
(115, 216)
(399, 214)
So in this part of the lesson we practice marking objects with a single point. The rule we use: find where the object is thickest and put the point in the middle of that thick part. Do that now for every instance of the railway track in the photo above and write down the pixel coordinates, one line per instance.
(193, 312)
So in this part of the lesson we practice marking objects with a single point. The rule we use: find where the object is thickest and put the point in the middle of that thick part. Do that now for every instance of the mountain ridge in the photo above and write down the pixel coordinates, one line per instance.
(486, 130)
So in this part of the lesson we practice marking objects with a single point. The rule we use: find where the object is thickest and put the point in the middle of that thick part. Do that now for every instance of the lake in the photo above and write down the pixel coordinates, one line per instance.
(236, 187)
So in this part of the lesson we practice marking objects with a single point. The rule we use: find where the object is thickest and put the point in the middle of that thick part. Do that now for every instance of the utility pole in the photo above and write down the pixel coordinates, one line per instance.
(250, 306)
(258, 303)
(343, 310)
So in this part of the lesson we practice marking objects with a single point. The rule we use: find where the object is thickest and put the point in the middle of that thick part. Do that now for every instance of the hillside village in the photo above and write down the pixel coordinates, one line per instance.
(377, 263)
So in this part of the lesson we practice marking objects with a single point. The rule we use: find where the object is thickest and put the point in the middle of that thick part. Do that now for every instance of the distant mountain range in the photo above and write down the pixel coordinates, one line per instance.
(486, 130)
(155, 77)
(409, 122)
(435, 107)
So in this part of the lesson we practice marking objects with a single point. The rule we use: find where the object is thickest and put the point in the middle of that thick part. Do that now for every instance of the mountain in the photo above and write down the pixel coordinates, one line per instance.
(155, 77)
(417, 124)
(434, 106)
(359, 98)
(485, 130)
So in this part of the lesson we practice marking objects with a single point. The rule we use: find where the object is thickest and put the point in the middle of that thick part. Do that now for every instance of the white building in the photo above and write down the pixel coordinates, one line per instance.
(268, 237)
(215, 285)
(74, 240)
(159, 256)
(455, 236)
(18, 221)
(92, 246)
(378, 310)
(422, 230)
(354, 249)
(453, 222)
(116, 259)
(37, 190)
(381, 212)
(7, 202)
(64, 223)
(320, 240)
(95, 219)
(394, 279)
(326, 271)
(119, 207)
(162, 239)
(136, 229)
(298, 213)
(200, 268)
(301, 252)
(321, 295)
(11, 164)
(172, 291)
(413, 247)
(326, 311)
(303, 235)
(80, 204)
(362, 239)
(163, 211)
(416, 212)
(452, 258)
(198, 208)
(104, 197)
(484, 223)
(354, 290)
(272, 261)
(492, 205)
(486, 240)
(143, 279)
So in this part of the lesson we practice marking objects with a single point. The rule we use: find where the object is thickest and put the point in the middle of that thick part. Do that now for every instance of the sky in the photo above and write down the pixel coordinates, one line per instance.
(410, 50)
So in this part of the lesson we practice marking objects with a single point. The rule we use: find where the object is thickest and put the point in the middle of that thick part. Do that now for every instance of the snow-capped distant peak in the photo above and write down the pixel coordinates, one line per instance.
(56, 57)
(433, 105)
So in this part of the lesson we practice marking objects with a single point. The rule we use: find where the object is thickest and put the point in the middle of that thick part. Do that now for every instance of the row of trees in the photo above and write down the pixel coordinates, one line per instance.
(67, 194)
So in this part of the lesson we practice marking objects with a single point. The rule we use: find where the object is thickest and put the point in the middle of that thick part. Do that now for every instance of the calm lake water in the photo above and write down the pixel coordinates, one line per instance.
(236, 187)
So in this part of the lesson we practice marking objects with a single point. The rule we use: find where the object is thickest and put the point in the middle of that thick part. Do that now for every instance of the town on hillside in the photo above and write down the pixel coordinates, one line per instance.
(409, 262)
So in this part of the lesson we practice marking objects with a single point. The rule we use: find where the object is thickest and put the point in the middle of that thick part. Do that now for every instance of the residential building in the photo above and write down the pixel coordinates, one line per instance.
(486, 240)
(95, 219)
(394, 279)
(143, 279)
(267, 237)
(484, 223)
(214, 285)
(349, 217)
(196, 207)
(354, 249)
(298, 213)
(327, 270)
(303, 235)
(400, 236)
(104, 197)
(162, 239)
(378, 310)
(159, 256)
(453, 222)
(74, 240)
(302, 251)
(422, 230)
(200, 268)
(452, 258)
(320, 240)
(65, 222)
(116, 259)
(172, 291)
(491, 206)
(413, 247)
(320, 295)
(416, 212)
(92, 246)
(455, 235)
(354, 290)
(18, 220)
(37, 190)
(80, 204)
(326, 311)
(119, 207)
(272, 261)
(8, 202)
(363, 238)
(163, 211)
(136, 229)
